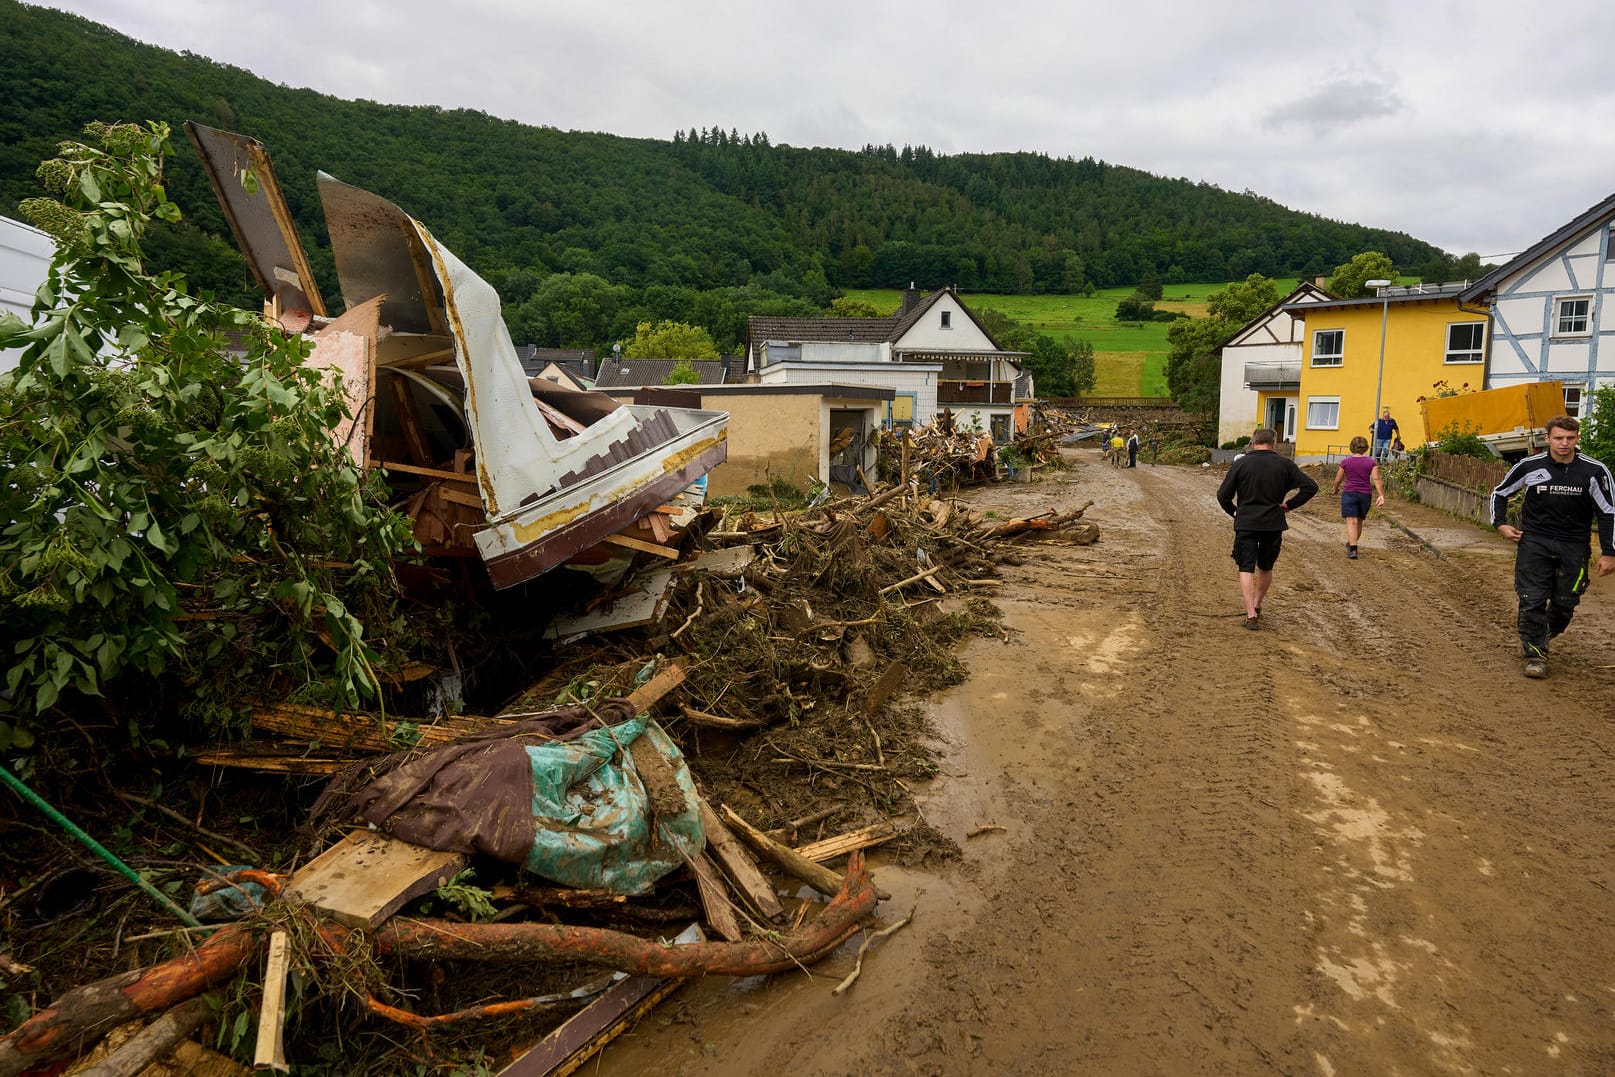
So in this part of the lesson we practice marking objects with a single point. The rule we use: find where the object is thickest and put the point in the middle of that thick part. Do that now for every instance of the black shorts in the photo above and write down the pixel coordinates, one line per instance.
(1256, 549)
(1355, 504)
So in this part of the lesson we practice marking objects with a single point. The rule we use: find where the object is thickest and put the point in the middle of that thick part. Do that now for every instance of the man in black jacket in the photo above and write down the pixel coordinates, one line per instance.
(1564, 493)
(1254, 493)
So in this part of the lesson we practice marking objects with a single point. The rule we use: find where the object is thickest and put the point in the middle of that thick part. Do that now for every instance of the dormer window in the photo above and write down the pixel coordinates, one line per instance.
(947, 319)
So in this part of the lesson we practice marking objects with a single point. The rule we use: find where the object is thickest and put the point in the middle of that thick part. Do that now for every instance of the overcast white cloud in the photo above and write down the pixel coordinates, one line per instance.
(1480, 126)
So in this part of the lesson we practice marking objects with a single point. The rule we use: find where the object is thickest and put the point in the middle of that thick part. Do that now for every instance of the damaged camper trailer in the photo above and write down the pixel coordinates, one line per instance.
(492, 463)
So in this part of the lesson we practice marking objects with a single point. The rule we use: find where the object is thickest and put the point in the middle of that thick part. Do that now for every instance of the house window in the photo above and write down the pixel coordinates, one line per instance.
(1609, 244)
(1000, 428)
(1328, 347)
(947, 319)
(1573, 400)
(900, 412)
(1323, 413)
(1570, 316)
(1466, 342)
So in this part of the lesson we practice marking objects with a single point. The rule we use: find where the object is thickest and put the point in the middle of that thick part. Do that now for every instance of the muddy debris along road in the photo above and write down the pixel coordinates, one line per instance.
(1357, 841)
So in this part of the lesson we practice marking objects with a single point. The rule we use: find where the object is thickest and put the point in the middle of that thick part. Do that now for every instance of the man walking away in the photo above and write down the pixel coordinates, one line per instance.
(1564, 492)
(1384, 429)
(1253, 493)
(1132, 448)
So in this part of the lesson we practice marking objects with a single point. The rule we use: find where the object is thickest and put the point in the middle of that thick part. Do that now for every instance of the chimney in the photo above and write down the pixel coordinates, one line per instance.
(911, 297)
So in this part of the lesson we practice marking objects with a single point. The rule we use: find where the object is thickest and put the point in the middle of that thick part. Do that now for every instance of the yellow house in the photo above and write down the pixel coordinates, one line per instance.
(1427, 342)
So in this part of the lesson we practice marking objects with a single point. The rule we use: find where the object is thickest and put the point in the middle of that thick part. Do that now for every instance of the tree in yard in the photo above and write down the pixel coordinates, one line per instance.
(683, 373)
(1194, 359)
(669, 340)
(1350, 280)
(1598, 427)
(180, 519)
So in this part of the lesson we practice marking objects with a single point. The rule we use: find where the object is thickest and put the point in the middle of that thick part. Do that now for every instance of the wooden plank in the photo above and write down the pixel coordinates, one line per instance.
(715, 899)
(597, 1024)
(404, 408)
(428, 472)
(366, 877)
(268, 762)
(652, 691)
(460, 497)
(742, 869)
(842, 844)
(820, 878)
(630, 543)
(884, 687)
(364, 732)
(660, 529)
(270, 1051)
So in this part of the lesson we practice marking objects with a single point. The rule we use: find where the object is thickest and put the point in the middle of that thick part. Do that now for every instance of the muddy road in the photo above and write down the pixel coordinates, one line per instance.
(1357, 841)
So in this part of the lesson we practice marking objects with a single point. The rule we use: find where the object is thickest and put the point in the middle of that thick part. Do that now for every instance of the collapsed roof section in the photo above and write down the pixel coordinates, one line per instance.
(492, 463)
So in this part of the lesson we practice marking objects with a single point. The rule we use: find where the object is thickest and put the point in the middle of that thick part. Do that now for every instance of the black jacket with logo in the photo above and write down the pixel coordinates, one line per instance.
(1561, 500)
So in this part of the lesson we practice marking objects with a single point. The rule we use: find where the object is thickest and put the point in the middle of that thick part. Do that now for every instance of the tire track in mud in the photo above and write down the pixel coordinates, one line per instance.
(1356, 841)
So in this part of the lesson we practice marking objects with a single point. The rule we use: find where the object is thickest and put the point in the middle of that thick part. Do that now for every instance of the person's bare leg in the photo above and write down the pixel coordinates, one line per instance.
(1247, 588)
(1354, 529)
(1264, 580)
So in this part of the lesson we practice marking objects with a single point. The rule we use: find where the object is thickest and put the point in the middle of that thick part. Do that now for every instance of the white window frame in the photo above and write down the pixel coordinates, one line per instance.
(947, 319)
(1575, 396)
(1458, 356)
(1559, 302)
(1313, 400)
(1321, 358)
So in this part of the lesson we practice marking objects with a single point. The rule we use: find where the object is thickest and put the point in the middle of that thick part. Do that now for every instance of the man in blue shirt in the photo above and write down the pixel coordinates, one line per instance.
(1384, 429)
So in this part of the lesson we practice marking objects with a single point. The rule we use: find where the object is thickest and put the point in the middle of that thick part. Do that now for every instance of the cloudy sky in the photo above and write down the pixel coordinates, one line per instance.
(1478, 126)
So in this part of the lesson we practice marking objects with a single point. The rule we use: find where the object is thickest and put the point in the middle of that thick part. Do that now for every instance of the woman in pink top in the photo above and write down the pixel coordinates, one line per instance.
(1359, 472)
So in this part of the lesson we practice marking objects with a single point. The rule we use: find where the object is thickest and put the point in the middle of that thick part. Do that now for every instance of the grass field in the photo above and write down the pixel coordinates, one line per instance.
(1130, 357)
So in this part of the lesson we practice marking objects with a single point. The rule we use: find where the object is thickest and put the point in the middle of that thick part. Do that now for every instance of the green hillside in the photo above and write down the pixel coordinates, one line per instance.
(707, 209)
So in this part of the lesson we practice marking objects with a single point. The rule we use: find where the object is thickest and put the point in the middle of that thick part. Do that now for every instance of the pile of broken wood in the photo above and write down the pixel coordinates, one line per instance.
(796, 632)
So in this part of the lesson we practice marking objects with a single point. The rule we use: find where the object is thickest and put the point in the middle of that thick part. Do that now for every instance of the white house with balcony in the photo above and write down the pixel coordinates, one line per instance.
(1550, 308)
(25, 254)
(1264, 357)
(933, 353)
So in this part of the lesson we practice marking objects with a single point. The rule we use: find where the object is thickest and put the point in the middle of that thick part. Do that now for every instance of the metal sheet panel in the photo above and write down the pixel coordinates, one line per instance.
(377, 252)
(261, 221)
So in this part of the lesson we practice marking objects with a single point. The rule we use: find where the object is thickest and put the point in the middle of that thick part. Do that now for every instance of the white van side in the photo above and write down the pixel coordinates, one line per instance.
(25, 255)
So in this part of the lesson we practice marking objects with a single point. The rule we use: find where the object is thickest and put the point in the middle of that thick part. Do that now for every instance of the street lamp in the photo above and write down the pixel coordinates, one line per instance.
(1379, 382)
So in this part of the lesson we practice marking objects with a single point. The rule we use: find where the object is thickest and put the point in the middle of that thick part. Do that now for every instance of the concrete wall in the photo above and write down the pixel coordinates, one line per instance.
(770, 436)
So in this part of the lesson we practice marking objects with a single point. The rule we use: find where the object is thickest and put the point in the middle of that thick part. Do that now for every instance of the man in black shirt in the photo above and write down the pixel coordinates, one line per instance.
(1564, 493)
(1254, 494)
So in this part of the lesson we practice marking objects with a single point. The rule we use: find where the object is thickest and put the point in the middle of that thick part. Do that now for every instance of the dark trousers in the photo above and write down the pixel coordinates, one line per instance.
(1549, 577)
(1132, 456)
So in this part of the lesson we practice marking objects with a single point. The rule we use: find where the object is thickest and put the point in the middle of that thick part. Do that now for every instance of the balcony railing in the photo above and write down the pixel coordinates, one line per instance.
(1274, 375)
(975, 392)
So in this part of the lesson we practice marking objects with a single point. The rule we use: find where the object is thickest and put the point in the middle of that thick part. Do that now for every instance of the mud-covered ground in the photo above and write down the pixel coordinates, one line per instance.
(1357, 841)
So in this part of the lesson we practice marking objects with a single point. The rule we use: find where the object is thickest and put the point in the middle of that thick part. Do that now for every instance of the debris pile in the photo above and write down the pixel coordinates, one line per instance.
(793, 636)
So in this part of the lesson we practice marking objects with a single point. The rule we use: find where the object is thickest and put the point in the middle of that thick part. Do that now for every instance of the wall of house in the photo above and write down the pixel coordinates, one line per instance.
(1415, 354)
(1526, 344)
(770, 436)
(1238, 410)
(961, 334)
(916, 379)
(818, 351)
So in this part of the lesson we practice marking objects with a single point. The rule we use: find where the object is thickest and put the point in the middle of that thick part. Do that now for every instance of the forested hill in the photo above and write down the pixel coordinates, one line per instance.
(708, 209)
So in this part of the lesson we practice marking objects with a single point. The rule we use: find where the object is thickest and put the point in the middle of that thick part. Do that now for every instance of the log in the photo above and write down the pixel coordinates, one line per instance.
(718, 721)
(900, 584)
(152, 1042)
(85, 1014)
(447, 940)
(820, 878)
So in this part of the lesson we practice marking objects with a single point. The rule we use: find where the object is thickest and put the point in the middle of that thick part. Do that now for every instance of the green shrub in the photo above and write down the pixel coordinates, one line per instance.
(1465, 440)
(1238, 443)
(1598, 428)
